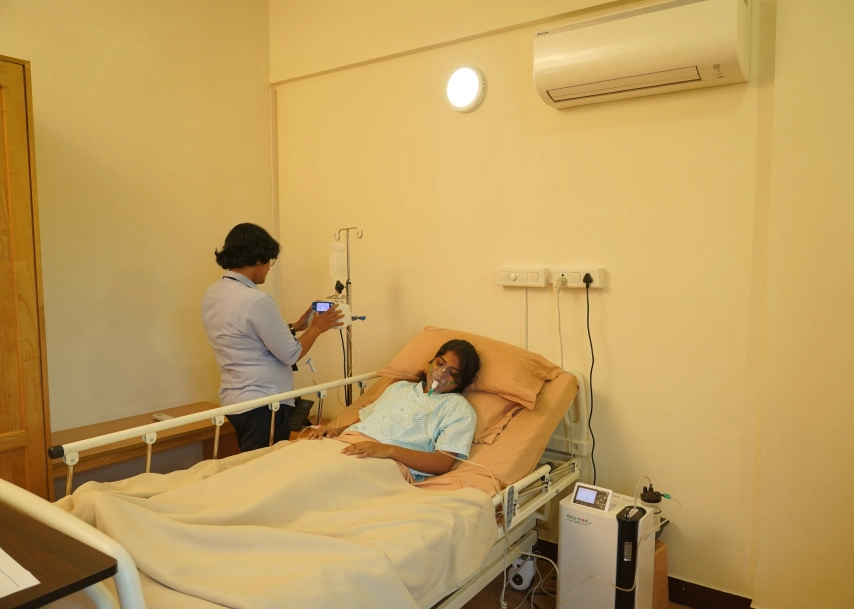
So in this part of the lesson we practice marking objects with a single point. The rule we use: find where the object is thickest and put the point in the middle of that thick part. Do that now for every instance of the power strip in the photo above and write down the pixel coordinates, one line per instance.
(574, 278)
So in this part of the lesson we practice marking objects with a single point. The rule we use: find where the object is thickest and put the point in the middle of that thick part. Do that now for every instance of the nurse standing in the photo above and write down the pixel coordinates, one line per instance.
(254, 347)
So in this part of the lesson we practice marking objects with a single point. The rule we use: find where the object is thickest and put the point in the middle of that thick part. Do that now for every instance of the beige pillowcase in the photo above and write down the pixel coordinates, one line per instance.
(493, 415)
(507, 371)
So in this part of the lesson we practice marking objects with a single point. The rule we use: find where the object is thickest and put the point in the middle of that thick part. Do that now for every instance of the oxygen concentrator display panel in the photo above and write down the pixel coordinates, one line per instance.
(592, 497)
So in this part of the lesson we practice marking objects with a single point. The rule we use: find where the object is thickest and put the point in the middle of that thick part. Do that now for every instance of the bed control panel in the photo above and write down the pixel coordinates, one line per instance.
(592, 497)
(509, 507)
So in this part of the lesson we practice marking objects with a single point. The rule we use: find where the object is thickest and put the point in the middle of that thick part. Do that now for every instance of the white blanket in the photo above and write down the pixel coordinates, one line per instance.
(296, 525)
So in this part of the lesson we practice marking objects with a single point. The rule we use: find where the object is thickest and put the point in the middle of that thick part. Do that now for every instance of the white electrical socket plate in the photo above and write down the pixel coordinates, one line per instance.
(575, 277)
(522, 276)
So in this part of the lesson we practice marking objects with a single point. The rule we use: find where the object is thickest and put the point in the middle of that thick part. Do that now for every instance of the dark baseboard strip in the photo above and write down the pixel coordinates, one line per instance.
(700, 597)
(547, 549)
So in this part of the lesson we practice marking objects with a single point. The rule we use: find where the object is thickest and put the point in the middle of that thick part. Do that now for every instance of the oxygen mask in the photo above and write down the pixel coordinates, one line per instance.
(440, 379)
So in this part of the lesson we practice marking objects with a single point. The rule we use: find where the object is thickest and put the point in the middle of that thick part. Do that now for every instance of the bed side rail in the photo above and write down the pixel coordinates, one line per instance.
(70, 453)
(574, 424)
(126, 578)
(520, 499)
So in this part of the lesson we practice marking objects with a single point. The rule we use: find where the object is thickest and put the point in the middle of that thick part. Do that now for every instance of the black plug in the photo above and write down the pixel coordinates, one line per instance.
(587, 279)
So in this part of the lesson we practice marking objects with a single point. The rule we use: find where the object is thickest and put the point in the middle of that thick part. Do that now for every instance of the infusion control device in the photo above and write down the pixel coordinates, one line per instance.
(322, 306)
(606, 551)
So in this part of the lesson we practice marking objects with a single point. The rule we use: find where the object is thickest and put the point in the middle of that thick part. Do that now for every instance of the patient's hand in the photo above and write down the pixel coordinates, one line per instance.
(369, 449)
(323, 432)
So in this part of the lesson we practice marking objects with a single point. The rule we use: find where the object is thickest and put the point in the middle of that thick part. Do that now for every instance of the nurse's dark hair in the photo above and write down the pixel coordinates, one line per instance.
(469, 362)
(247, 245)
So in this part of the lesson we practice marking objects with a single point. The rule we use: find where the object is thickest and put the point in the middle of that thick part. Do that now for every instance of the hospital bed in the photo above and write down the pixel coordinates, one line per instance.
(531, 473)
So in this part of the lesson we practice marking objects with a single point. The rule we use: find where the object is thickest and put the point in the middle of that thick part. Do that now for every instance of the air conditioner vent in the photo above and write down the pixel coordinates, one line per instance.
(629, 83)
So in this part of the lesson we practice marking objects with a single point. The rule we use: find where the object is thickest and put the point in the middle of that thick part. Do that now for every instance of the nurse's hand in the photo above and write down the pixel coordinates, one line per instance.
(327, 320)
(369, 449)
(302, 323)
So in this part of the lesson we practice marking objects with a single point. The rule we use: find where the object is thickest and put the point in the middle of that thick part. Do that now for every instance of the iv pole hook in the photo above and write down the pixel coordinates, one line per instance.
(359, 232)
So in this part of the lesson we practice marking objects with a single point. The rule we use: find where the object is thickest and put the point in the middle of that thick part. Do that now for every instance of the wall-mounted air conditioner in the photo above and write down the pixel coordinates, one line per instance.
(671, 46)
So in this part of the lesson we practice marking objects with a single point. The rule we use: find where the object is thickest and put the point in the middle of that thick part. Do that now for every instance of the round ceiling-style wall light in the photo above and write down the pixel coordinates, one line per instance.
(466, 89)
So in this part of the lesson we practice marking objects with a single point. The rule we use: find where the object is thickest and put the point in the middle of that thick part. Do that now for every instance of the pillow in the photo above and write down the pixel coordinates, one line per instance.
(493, 412)
(505, 370)
(493, 415)
(517, 452)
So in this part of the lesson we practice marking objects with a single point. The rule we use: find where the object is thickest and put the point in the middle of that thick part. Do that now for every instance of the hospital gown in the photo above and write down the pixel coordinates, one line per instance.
(406, 416)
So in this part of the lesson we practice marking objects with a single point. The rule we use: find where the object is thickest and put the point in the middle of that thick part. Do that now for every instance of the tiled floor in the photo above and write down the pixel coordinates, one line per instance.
(490, 596)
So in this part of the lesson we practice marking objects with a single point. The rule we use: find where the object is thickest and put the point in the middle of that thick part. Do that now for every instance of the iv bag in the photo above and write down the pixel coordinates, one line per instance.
(338, 261)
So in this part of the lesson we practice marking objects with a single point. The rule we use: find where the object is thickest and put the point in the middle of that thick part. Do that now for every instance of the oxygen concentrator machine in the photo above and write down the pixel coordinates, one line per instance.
(602, 534)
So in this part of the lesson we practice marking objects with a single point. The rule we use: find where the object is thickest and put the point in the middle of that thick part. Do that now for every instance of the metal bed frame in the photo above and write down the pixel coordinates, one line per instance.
(520, 502)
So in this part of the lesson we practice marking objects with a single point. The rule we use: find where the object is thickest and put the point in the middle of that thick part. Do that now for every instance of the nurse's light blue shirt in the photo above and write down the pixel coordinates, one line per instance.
(406, 416)
(253, 345)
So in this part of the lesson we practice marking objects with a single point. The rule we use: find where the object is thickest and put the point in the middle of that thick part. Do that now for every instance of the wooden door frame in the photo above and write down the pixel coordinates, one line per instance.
(31, 140)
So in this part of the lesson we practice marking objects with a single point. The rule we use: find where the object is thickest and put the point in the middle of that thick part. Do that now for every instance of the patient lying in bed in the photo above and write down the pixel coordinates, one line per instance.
(417, 424)
(301, 525)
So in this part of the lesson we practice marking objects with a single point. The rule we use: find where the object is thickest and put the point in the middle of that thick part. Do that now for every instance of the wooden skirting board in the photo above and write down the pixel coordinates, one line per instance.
(700, 597)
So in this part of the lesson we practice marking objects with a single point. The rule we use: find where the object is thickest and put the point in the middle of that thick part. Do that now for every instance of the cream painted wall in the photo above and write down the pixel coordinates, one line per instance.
(309, 37)
(152, 140)
(804, 558)
(668, 193)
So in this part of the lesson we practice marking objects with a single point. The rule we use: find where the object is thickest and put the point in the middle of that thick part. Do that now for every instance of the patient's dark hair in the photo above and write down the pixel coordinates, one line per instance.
(247, 245)
(469, 362)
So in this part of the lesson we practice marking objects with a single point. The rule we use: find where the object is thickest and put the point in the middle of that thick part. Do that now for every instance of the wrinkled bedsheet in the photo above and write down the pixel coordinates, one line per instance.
(295, 525)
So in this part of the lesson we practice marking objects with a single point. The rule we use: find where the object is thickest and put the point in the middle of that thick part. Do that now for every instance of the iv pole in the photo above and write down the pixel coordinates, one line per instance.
(348, 355)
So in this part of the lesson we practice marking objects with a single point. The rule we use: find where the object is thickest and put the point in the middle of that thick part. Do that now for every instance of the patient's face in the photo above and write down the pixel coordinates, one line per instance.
(452, 361)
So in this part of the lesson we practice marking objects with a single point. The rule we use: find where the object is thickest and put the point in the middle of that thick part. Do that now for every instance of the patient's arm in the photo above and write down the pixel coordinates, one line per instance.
(428, 462)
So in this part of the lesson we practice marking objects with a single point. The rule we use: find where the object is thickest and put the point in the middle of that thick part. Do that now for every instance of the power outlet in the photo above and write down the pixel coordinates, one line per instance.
(574, 278)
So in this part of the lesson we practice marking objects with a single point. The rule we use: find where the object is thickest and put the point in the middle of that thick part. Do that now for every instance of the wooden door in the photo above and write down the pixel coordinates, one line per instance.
(24, 423)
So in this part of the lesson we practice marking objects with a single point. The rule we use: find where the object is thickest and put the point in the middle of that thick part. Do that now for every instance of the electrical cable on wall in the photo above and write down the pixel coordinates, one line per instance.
(587, 281)
(526, 318)
(559, 329)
